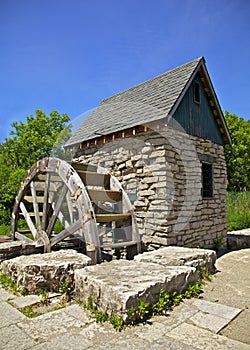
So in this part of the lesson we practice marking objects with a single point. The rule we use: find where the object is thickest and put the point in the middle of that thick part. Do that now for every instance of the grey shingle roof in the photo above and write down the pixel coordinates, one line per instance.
(149, 101)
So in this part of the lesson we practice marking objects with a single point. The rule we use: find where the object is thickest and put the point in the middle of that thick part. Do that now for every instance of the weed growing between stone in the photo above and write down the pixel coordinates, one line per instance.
(218, 243)
(9, 284)
(30, 312)
(144, 310)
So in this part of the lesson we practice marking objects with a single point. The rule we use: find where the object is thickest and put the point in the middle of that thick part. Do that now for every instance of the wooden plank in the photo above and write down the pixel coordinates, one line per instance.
(66, 232)
(35, 205)
(54, 178)
(39, 199)
(31, 214)
(70, 206)
(21, 237)
(28, 220)
(57, 210)
(46, 202)
(112, 217)
(41, 186)
(95, 179)
(105, 195)
(84, 167)
(119, 244)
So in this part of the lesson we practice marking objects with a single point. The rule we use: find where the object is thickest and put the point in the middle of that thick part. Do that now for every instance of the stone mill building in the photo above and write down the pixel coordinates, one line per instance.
(164, 140)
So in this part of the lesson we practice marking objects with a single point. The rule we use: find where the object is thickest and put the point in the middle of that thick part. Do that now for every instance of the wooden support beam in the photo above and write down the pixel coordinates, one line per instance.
(112, 217)
(66, 232)
(119, 244)
(28, 220)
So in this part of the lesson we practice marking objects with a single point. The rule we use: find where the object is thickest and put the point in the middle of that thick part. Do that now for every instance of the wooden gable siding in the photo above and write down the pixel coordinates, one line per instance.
(197, 119)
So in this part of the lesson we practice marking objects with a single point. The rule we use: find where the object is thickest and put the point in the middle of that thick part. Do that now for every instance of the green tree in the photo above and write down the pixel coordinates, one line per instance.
(39, 137)
(238, 156)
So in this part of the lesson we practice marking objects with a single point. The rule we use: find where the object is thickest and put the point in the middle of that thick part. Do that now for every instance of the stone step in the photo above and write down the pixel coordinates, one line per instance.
(116, 286)
(178, 256)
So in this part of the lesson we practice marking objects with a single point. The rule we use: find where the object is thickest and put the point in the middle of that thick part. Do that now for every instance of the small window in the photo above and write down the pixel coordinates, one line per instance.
(197, 97)
(207, 180)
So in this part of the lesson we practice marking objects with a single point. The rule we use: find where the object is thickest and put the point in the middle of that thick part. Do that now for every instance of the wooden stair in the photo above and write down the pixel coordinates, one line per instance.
(103, 188)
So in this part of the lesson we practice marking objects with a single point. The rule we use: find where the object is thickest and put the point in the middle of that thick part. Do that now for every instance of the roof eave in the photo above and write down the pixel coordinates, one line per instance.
(202, 65)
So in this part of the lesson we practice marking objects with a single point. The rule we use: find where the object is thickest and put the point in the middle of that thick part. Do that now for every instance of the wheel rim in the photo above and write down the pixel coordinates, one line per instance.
(51, 205)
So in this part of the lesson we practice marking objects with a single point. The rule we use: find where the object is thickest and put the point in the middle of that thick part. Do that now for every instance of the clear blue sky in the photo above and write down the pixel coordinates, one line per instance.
(67, 55)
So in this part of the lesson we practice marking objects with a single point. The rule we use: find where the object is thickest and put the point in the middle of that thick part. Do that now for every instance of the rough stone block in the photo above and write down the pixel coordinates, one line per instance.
(118, 285)
(45, 271)
(238, 239)
(10, 250)
(178, 256)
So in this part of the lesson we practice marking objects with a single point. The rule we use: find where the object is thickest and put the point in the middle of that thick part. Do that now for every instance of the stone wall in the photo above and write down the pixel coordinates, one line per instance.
(161, 170)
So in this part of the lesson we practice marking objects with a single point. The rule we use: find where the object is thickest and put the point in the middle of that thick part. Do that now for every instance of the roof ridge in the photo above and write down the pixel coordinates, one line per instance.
(152, 79)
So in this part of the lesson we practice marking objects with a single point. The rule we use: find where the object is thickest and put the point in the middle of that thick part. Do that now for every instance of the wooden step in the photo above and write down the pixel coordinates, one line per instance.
(112, 217)
(32, 214)
(119, 244)
(39, 199)
(84, 167)
(53, 178)
(104, 195)
(40, 186)
(94, 179)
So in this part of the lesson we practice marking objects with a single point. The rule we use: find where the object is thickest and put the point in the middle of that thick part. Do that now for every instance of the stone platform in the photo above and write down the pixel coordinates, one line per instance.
(114, 286)
(44, 271)
(238, 239)
(178, 256)
(118, 285)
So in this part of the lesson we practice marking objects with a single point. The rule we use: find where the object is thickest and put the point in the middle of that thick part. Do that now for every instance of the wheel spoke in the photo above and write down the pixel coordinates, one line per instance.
(28, 220)
(70, 207)
(57, 210)
(46, 201)
(66, 232)
(21, 237)
(35, 205)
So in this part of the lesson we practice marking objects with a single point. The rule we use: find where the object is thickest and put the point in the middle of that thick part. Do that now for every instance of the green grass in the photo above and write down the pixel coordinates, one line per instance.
(238, 210)
(4, 230)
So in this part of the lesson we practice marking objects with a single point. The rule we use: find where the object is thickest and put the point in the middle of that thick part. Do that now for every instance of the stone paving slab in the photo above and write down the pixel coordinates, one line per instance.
(177, 256)
(5, 295)
(9, 315)
(13, 338)
(223, 311)
(27, 300)
(55, 323)
(213, 316)
(203, 340)
(118, 285)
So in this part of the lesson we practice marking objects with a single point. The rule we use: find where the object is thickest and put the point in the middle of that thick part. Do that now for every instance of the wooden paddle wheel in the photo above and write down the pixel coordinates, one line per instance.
(57, 201)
